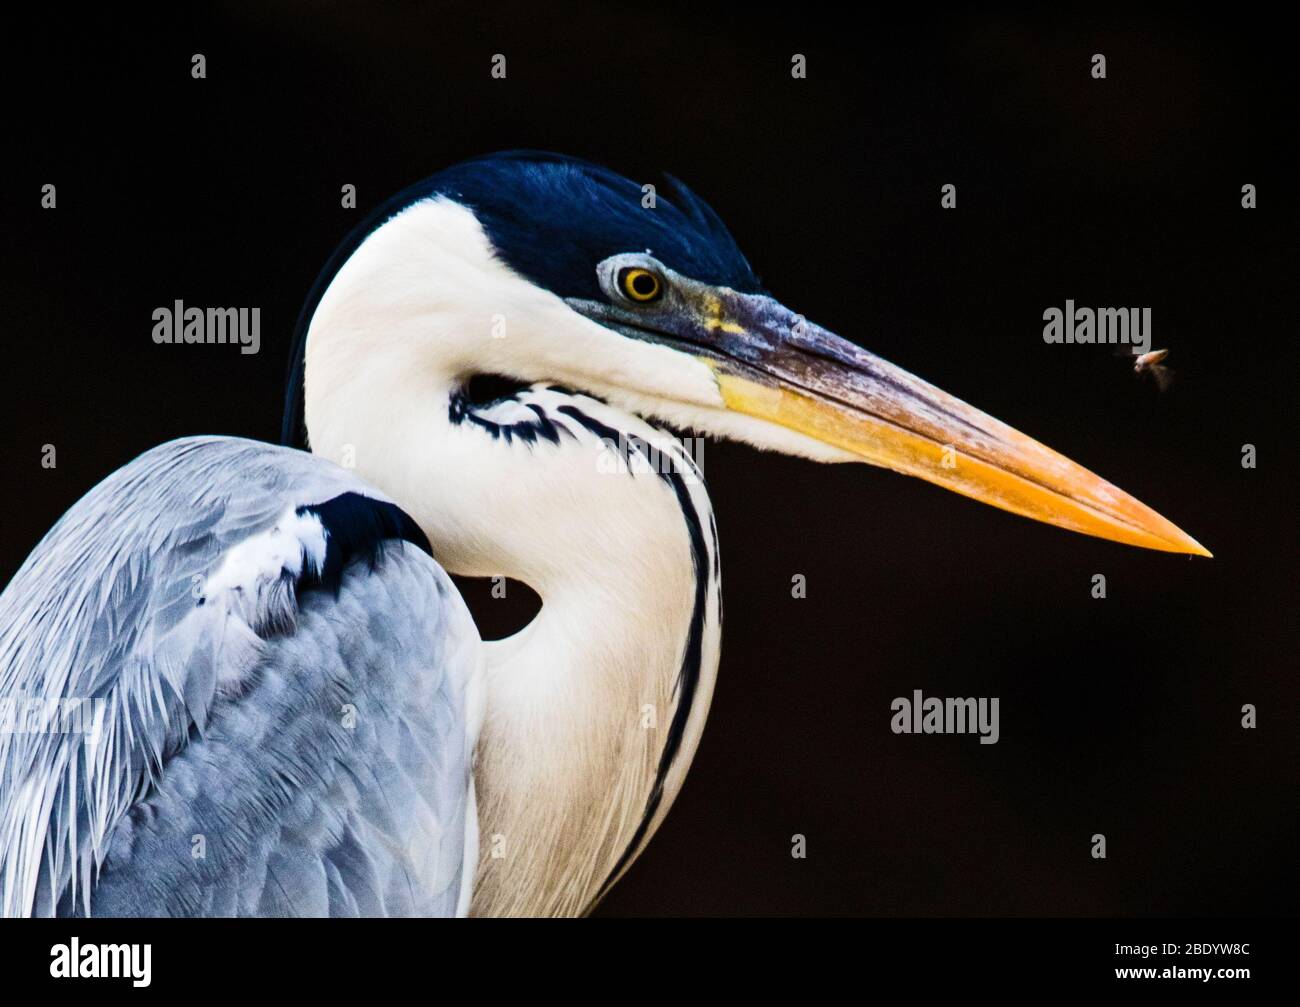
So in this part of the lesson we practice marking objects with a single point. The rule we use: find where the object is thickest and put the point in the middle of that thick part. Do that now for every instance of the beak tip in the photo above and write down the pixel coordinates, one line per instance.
(1189, 546)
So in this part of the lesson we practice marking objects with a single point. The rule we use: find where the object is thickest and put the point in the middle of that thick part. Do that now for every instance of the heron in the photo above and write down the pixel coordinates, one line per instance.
(293, 712)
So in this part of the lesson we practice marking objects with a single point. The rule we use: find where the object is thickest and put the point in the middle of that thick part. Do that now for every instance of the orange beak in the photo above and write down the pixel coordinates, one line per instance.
(774, 365)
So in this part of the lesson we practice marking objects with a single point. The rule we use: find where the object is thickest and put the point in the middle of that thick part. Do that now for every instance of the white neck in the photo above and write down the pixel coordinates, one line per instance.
(582, 702)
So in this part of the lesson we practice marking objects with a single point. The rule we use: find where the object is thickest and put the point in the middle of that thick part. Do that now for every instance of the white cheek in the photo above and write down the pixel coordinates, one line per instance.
(426, 295)
(424, 302)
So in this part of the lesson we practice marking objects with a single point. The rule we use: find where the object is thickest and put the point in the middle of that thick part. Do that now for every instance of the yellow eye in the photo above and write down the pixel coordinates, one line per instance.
(640, 285)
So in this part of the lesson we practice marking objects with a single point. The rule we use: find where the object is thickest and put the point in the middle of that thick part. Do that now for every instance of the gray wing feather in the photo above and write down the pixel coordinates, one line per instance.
(334, 780)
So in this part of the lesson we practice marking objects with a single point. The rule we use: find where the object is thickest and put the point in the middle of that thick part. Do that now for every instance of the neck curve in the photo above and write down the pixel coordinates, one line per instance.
(595, 709)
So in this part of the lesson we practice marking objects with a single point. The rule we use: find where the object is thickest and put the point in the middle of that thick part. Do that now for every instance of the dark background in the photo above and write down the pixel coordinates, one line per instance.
(1119, 716)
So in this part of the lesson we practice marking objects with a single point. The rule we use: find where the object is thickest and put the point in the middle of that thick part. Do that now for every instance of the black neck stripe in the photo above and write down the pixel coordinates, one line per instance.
(688, 678)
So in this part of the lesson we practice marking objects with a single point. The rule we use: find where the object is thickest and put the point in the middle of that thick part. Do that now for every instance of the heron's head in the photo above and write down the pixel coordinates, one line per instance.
(540, 268)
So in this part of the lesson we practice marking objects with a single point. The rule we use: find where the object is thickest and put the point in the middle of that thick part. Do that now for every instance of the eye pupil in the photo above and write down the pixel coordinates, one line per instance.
(641, 284)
